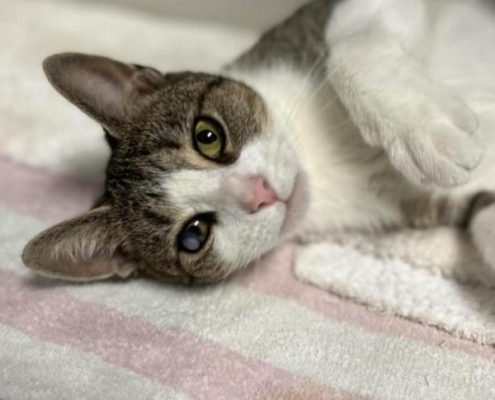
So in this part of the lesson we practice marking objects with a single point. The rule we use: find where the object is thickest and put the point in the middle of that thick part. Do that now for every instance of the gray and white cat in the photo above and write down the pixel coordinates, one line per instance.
(349, 115)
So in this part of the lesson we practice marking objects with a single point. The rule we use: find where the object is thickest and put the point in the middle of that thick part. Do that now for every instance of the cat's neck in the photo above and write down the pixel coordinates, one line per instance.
(339, 165)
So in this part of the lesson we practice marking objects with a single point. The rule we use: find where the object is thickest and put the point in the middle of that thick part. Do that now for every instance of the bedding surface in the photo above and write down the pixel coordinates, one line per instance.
(261, 335)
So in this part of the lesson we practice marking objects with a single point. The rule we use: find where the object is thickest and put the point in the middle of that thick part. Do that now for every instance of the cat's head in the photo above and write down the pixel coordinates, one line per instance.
(201, 181)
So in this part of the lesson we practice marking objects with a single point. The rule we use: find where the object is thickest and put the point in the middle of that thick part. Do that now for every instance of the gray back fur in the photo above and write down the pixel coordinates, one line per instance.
(298, 41)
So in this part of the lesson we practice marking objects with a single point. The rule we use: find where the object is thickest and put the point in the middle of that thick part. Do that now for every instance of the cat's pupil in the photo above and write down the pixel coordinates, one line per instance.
(191, 241)
(207, 137)
(192, 237)
(195, 230)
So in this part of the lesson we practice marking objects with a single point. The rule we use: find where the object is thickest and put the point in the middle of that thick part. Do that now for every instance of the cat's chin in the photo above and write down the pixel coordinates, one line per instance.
(296, 206)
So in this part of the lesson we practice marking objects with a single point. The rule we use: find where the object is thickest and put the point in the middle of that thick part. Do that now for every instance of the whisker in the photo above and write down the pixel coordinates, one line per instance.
(313, 94)
(292, 109)
(307, 79)
(305, 96)
(328, 105)
(312, 71)
(290, 118)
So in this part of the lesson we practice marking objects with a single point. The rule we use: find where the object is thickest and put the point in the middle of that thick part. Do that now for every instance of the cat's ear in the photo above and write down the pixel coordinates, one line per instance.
(84, 248)
(108, 90)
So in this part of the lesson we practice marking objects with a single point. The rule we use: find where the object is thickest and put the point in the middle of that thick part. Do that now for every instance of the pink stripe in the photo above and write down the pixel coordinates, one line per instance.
(50, 198)
(175, 357)
(273, 275)
(39, 193)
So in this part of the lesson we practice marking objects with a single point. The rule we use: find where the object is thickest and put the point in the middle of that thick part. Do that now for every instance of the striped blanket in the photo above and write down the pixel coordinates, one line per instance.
(261, 335)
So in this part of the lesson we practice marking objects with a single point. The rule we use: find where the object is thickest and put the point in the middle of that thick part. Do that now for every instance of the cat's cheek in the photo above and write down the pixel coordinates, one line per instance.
(242, 238)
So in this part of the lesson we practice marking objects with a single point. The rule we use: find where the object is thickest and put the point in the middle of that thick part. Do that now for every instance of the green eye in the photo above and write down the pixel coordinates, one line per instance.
(209, 138)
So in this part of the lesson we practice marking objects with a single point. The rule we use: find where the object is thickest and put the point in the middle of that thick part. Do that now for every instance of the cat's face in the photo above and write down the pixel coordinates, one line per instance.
(202, 179)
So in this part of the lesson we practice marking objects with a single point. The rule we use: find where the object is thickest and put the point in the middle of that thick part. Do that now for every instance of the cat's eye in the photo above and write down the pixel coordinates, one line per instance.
(209, 138)
(194, 235)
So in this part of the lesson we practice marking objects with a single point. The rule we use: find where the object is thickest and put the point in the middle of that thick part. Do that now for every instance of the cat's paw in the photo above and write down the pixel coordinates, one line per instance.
(439, 147)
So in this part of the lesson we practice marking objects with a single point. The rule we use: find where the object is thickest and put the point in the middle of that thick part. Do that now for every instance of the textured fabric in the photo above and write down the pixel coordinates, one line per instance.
(395, 286)
(261, 335)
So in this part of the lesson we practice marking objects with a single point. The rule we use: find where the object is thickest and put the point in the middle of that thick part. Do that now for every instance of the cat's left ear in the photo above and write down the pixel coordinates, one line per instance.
(110, 91)
(84, 248)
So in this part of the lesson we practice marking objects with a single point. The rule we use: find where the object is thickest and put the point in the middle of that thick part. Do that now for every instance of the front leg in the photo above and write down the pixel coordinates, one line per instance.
(427, 130)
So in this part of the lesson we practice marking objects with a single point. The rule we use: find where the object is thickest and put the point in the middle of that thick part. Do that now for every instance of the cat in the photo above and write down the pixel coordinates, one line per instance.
(336, 120)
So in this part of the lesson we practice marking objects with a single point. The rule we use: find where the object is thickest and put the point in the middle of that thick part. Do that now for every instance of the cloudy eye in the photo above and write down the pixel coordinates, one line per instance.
(194, 235)
(209, 138)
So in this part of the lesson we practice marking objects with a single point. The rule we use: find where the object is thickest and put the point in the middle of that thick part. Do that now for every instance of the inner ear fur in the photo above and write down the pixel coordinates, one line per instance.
(83, 248)
(109, 91)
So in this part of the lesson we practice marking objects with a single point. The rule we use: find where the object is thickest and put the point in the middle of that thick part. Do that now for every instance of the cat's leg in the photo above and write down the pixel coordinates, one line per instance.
(429, 209)
(474, 213)
(426, 129)
(482, 229)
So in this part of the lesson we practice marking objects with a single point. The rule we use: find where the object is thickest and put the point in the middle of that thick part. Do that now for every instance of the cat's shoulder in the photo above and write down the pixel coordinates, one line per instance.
(298, 41)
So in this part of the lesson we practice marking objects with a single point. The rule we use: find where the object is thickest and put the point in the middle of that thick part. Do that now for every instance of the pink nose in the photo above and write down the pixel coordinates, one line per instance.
(262, 195)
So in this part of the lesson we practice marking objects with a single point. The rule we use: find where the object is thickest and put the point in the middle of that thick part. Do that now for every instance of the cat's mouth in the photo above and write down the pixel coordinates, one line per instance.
(295, 205)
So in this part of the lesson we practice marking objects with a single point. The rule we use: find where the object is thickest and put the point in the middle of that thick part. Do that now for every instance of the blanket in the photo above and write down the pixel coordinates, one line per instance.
(261, 335)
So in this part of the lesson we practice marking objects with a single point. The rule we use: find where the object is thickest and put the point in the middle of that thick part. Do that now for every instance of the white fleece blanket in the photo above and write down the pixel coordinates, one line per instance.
(434, 276)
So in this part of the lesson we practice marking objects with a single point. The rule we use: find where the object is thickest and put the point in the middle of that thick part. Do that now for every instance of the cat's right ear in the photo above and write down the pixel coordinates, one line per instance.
(83, 248)
(109, 91)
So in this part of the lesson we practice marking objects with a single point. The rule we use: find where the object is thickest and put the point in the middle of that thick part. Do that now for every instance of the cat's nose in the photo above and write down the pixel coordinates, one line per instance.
(262, 194)
(250, 192)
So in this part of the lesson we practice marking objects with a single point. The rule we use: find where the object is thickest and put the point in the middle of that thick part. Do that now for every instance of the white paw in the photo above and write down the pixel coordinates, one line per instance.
(433, 142)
